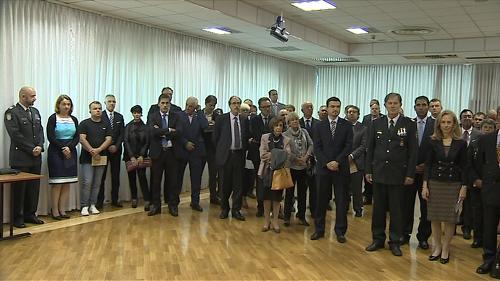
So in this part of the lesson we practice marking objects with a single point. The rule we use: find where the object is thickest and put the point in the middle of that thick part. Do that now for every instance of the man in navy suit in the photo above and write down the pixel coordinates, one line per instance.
(166, 129)
(154, 108)
(332, 143)
(425, 128)
(231, 139)
(191, 149)
(308, 122)
(391, 159)
(275, 105)
(116, 123)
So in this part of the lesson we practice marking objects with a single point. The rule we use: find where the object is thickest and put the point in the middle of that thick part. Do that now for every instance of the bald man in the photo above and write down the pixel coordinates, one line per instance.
(23, 123)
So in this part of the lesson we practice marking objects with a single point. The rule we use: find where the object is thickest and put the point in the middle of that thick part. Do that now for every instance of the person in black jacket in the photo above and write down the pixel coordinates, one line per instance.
(154, 108)
(136, 144)
(390, 165)
(62, 157)
(445, 181)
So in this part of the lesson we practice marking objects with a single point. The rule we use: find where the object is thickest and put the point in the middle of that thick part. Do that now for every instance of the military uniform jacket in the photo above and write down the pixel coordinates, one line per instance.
(392, 156)
(26, 132)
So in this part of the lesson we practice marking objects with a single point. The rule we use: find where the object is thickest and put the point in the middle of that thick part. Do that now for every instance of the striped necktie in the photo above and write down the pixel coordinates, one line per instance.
(333, 127)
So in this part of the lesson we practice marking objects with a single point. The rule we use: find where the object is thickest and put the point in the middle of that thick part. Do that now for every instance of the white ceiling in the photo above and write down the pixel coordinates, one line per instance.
(466, 28)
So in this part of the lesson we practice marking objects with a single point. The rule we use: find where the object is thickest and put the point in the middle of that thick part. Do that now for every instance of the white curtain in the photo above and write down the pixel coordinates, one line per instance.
(62, 50)
(486, 87)
(359, 84)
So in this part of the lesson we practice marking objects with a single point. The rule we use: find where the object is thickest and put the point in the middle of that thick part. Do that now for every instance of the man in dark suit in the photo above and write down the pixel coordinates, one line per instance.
(390, 165)
(425, 128)
(259, 125)
(275, 105)
(191, 149)
(116, 123)
(214, 180)
(166, 129)
(469, 134)
(356, 160)
(153, 109)
(24, 125)
(332, 144)
(488, 165)
(231, 139)
(435, 108)
(367, 121)
(308, 122)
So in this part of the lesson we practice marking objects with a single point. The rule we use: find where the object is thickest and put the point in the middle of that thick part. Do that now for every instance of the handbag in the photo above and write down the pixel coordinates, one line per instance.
(282, 179)
(131, 166)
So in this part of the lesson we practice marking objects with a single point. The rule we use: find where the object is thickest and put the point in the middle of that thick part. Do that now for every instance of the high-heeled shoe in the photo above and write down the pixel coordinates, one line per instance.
(434, 258)
(64, 216)
(276, 229)
(444, 260)
(57, 218)
(266, 228)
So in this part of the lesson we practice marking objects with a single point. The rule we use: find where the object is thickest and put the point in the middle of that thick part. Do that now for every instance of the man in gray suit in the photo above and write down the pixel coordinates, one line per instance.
(275, 105)
(231, 139)
(23, 123)
(356, 159)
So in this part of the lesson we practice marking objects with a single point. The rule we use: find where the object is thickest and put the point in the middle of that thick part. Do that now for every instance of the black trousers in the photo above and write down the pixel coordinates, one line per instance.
(355, 189)
(248, 180)
(313, 195)
(166, 164)
(368, 192)
(468, 220)
(299, 180)
(424, 226)
(214, 178)
(491, 219)
(195, 173)
(143, 181)
(323, 197)
(477, 213)
(387, 198)
(232, 185)
(114, 160)
(258, 186)
(26, 195)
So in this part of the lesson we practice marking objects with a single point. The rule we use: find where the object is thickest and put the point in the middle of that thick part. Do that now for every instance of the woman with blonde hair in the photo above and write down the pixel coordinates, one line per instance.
(444, 182)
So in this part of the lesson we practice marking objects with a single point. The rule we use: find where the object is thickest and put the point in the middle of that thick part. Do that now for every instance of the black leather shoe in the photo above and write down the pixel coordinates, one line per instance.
(374, 246)
(434, 258)
(317, 235)
(117, 204)
(238, 216)
(476, 244)
(34, 220)
(196, 207)
(223, 214)
(395, 250)
(341, 239)
(423, 245)
(484, 268)
(173, 211)
(134, 203)
(146, 207)
(153, 210)
(19, 225)
(466, 234)
(444, 260)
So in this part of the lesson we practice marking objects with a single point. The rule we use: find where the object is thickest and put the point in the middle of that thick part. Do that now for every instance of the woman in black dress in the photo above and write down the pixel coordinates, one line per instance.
(271, 198)
(444, 185)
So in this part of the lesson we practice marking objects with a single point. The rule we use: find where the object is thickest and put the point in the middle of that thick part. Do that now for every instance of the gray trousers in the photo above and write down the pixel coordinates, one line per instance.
(90, 183)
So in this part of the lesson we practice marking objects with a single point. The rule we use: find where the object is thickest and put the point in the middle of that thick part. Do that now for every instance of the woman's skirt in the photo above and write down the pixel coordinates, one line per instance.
(443, 197)
(62, 170)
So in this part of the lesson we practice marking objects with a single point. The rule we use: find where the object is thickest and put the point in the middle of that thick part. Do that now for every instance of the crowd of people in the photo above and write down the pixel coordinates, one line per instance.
(449, 162)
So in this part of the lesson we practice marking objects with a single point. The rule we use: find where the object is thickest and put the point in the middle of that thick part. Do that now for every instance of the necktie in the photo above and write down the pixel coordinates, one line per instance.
(308, 124)
(275, 110)
(237, 137)
(265, 122)
(333, 127)
(164, 125)
(111, 119)
(29, 112)
(465, 137)
(391, 126)
(421, 128)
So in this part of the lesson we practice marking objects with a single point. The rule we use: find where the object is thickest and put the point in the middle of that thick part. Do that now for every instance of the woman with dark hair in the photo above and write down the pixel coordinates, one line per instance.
(61, 157)
(444, 182)
(272, 198)
(136, 143)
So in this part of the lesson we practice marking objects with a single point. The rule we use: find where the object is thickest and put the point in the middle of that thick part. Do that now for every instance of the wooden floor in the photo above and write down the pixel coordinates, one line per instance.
(126, 244)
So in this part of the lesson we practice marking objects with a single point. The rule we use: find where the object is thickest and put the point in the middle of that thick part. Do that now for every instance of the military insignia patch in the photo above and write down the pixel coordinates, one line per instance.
(8, 116)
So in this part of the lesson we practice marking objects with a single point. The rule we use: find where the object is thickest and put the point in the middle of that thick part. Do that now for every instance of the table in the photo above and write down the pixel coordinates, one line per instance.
(12, 179)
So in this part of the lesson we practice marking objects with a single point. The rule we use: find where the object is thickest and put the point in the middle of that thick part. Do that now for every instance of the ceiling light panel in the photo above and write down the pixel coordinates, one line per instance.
(314, 5)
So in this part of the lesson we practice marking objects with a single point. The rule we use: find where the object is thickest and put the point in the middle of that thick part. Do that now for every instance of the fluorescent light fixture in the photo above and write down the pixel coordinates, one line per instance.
(316, 5)
(357, 30)
(218, 30)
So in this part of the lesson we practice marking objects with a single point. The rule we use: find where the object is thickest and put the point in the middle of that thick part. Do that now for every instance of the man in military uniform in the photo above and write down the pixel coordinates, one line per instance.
(391, 161)
(24, 126)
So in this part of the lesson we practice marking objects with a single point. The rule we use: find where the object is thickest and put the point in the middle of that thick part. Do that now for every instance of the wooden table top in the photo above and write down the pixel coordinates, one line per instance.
(22, 176)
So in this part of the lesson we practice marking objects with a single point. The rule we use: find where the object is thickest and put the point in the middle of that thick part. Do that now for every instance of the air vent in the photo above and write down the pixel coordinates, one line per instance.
(286, 49)
(335, 60)
(432, 57)
(413, 31)
(483, 58)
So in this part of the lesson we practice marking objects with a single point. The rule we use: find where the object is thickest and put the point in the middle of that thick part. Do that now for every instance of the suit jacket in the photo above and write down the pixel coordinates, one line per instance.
(474, 135)
(118, 128)
(314, 122)
(208, 131)
(328, 149)
(154, 108)
(367, 120)
(392, 156)
(359, 145)
(157, 133)
(489, 170)
(257, 129)
(222, 136)
(280, 107)
(192, 132)
(448, 168)
(424, 145)
(26, 132)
